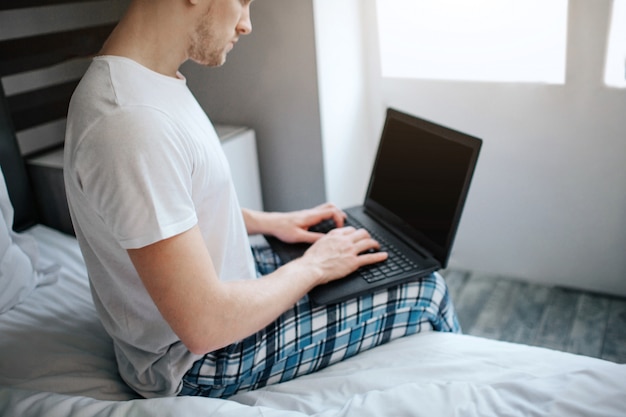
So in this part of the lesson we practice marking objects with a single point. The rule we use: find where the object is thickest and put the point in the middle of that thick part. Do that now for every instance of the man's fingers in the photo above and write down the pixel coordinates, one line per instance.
(359, 239)
(371, 258)
(365, 245)
(328, 211)
(339, 217)
(306, 236)
(347, 230)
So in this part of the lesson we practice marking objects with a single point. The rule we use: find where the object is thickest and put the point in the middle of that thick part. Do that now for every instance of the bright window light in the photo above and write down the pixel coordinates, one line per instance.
(477, 40)
(615, 69)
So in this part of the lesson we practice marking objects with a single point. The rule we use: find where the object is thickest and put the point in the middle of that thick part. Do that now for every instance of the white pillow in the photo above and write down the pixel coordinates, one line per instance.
(19, 274)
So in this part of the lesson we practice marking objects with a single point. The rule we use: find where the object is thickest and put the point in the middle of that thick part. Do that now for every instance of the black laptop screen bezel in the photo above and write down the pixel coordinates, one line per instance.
(438, 251)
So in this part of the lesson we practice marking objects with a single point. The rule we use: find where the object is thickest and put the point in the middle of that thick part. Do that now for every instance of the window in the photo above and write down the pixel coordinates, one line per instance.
(615, 68)
(477, 40)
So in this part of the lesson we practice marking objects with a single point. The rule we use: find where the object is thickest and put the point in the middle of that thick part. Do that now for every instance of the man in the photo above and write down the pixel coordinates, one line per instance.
(165, 241)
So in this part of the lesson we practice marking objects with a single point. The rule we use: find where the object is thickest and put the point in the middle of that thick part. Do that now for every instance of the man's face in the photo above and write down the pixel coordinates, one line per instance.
(218, 29)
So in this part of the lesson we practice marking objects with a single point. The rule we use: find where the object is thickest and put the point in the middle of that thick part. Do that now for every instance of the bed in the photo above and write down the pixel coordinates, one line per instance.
(57, 360)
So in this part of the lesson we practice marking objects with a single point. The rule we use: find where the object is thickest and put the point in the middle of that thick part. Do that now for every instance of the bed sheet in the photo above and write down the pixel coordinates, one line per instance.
(56, 360)
(54, 341)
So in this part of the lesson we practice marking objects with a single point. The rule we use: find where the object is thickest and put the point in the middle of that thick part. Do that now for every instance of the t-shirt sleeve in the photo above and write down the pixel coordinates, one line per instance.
(135, 172)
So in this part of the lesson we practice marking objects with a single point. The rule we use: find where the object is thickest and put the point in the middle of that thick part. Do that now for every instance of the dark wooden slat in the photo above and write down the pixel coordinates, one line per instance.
(41, 106)
(574, 321)
(50, 195)
(528, 304)
(496, 310)
(477, 290)
(456, 282)
(22, 4)
(26, 54)
(558, 319)
(18, 184)
(614, 348)
(587, 335)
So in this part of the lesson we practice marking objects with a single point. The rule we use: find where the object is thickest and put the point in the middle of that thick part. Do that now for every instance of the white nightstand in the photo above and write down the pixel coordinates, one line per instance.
(239, 144)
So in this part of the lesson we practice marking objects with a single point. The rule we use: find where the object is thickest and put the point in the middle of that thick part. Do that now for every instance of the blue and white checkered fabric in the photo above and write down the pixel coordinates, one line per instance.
(307, 338)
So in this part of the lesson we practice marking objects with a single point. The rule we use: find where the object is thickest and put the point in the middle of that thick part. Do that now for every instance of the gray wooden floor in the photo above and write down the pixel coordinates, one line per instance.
(559, 318)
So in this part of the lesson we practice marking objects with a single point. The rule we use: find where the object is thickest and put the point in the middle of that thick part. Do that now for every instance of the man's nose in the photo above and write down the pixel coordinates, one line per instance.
(244, 27)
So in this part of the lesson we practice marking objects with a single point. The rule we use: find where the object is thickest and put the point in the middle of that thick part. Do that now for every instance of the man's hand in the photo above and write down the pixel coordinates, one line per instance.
(293, 226)
(342, 251)
(333, 255)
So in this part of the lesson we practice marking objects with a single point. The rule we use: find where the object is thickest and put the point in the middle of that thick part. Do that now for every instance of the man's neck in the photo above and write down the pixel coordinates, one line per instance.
(153, 37)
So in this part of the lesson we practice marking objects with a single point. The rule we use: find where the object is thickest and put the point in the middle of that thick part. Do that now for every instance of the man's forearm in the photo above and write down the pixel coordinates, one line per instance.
(258, 222)
(248, 306)
(203, 311)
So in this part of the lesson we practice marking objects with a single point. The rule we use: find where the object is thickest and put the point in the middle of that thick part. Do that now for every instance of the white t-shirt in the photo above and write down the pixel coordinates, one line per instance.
(143, 163)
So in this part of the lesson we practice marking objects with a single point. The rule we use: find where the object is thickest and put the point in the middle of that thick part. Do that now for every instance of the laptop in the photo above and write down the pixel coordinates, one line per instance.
(413, 205)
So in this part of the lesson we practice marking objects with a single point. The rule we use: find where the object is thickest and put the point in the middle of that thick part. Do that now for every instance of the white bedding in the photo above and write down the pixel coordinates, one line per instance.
(56, 360)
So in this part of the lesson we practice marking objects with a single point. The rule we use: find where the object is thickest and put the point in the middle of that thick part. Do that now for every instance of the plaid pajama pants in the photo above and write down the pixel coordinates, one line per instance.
(307, 338)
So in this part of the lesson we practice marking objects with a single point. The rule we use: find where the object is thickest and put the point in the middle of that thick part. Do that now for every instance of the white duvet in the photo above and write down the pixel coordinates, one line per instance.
(56, 360)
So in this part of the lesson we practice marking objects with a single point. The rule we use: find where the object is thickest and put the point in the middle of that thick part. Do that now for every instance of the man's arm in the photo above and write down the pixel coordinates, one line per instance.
(207, 313)
(292, 226)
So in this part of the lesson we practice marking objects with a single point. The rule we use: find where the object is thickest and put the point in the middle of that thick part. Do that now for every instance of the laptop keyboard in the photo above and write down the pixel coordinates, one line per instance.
(395, 264)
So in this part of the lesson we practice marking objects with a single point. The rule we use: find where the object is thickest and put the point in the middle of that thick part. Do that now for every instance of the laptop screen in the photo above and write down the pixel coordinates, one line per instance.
(421, 177)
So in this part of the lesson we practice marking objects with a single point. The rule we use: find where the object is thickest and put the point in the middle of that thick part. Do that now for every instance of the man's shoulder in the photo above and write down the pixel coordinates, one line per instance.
(114, 95)
(121, 81)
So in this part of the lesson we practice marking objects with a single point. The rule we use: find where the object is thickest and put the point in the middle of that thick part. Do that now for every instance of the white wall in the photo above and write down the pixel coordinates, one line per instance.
(345, 99)
(269, 83)
(548, 201)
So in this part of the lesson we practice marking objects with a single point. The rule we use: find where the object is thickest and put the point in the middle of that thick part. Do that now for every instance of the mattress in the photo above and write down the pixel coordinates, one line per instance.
(57, 360)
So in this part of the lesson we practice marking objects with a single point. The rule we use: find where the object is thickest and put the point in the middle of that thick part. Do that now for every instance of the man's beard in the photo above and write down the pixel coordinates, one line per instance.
(204, 49)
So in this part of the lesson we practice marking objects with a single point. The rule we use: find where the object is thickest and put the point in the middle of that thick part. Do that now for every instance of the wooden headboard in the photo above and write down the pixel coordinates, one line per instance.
(45, 47)
(14, 172)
